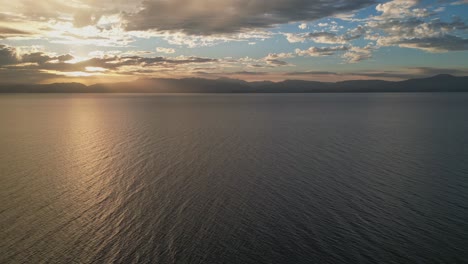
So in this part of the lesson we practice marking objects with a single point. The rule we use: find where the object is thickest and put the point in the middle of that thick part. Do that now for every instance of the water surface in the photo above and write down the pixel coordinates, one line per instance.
(285, 178)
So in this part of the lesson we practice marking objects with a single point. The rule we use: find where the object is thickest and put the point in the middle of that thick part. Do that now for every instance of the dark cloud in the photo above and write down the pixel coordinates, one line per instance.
(7, 55)
(206, 17)
(277, 62)
(435, 44)
(65, 57)
(11, 32)
(36, 57)
(10, 56)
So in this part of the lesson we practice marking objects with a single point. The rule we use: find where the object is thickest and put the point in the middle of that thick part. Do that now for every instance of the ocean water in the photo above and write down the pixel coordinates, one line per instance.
(283, 178)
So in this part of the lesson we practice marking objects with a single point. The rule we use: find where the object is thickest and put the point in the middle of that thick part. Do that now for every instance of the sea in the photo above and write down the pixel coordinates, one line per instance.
(234, 178)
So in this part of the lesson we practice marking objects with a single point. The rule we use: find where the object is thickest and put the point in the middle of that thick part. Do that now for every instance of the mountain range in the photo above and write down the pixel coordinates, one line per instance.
(438, 83)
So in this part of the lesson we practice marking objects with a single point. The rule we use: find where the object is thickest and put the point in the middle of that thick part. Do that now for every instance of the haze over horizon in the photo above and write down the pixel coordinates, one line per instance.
(92, 42)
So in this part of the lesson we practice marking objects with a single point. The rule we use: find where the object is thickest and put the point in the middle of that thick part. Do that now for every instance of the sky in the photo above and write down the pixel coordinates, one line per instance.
(98, 41)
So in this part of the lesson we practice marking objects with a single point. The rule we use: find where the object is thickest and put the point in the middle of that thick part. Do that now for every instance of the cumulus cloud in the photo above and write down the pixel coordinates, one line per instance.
(11, 56)
(396, 8)
(7, 55)
(327, 37)
(193, 41)
(279, 56)
(276, 59)
(357, 54)
(351, 54)
(323, 51)
(403, 24)
(165, 50)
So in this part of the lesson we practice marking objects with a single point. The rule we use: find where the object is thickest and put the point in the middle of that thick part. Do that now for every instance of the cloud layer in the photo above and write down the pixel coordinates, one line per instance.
(206, 17)
(41, 40)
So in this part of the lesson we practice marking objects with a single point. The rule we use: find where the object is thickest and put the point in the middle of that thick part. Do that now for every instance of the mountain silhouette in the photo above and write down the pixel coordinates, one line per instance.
(438, 83)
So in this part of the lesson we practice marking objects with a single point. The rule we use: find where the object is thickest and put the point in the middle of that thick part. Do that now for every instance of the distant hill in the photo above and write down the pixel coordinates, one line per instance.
(438, 83)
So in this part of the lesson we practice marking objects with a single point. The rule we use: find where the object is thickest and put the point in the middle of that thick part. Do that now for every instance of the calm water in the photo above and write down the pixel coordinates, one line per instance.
(318, 178)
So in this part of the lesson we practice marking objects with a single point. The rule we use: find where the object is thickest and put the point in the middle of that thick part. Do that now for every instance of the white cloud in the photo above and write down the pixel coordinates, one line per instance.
(404, 25)
(396, 8)
(357, 54)
(327, 37)
(322, 51)
(303, 26)
(165, 50)
(461, 2)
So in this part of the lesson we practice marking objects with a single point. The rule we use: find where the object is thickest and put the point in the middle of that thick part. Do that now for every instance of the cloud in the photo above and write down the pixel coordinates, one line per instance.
(165, 50)
(396, 8)
(402, 24)
(348, 35)
(357, 54)
(351, 54)
(302, 26)
(208, 17)
(275, 59)
(432, 36)
(11, 56)
(300, 73)
(30, 65)
(461, 2)
(295, 38)
(7, 55)
(327, 37)
(324, 51)
(192, 41)
(437, 44)
(12, 32)
(117, 63)
(43, 64)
